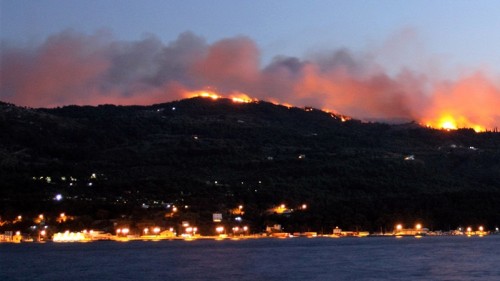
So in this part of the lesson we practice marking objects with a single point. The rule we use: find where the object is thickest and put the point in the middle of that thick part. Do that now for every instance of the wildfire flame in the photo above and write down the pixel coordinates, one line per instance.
(445, 121)
(276, 102)
(204, 94)
(448, 122)
(236, 97)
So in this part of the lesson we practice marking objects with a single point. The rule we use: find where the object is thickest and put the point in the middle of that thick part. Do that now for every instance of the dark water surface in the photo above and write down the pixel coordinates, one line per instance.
(428, 258)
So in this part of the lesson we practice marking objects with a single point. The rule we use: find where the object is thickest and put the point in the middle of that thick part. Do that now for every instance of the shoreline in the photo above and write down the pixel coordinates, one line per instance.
(114, 238)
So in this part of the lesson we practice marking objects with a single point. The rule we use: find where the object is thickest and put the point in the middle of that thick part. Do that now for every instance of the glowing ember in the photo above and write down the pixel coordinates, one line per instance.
(205, 94)
(236, 97)
(241, 98)
(276, 102)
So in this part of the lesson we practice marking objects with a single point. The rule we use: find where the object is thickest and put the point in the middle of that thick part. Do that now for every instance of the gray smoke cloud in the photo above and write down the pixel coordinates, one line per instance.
(75, 68)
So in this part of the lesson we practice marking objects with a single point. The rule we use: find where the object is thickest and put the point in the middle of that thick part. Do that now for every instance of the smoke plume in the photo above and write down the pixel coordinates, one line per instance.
(74, 68)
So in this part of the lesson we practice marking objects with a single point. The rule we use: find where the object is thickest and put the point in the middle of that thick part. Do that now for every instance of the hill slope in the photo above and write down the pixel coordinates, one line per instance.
(214, 155)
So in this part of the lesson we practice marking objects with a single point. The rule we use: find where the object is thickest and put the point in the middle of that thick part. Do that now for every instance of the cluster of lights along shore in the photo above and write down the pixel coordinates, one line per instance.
(444, 121)
(41, 231)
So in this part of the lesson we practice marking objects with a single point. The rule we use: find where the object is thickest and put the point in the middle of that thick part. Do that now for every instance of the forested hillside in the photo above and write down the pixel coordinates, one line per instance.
(111, 161)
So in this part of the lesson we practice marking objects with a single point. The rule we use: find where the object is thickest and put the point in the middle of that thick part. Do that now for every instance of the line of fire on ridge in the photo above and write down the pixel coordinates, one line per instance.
(445, 123)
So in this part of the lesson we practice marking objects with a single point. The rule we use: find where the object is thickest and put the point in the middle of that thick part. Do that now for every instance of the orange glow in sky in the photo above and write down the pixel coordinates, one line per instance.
(448, 123)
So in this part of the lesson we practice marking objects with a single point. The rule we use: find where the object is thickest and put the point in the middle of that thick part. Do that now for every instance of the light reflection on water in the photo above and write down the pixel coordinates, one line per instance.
(429, 258)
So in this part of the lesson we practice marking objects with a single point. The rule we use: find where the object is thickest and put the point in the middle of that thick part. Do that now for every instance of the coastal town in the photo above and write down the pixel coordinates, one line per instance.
(40, 232)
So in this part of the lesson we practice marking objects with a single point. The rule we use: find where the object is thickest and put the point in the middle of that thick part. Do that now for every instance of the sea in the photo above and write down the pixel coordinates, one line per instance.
(369, 258)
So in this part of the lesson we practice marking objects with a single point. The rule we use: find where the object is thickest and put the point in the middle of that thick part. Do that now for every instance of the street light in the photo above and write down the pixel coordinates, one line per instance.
(156, 230)
(219, 229)
(41, 234)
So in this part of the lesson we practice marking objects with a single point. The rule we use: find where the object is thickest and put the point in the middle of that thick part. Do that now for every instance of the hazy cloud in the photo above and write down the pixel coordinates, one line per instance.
(75, 68)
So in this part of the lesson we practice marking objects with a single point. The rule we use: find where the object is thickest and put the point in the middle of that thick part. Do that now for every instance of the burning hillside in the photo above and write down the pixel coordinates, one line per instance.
(444, 121)
(73, 68)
